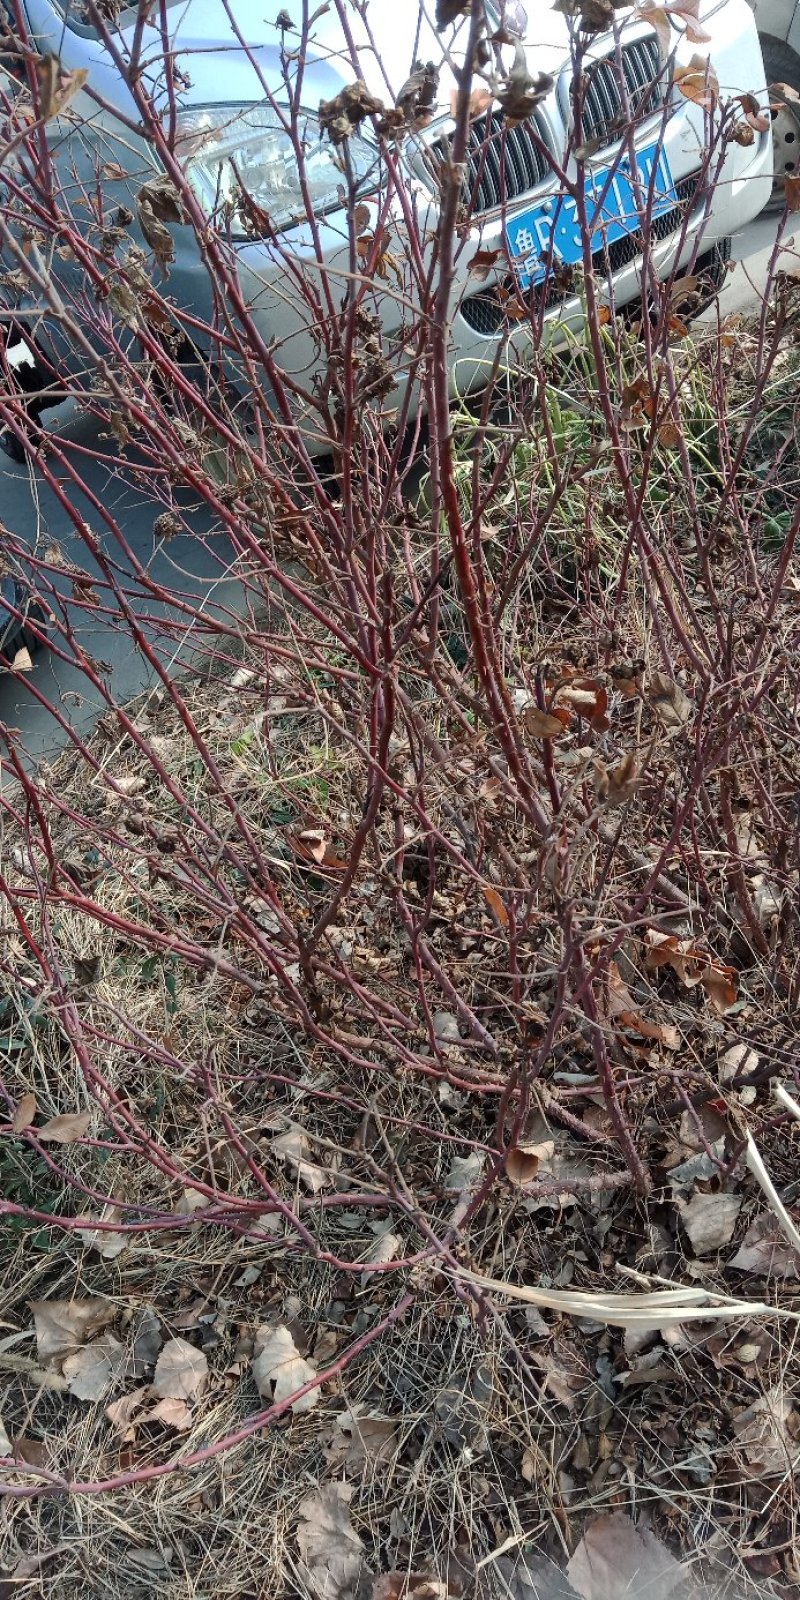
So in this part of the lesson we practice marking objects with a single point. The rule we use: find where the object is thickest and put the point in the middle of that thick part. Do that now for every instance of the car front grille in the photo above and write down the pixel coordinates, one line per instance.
(503, 162)
(488, 311)
(603, 116)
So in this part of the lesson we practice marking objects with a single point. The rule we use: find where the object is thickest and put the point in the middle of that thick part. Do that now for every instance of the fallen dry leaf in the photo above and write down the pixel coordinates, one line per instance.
(586, 696)
(121, 1412)
(146, 1340)
(445, 1027)
(740, 1062)
(465, 1171)
(313, 846)
(331, 1552)
(383, 1250)
(279, 1369)
(24, 1113)
(766, 1251)
(181, 1371)
(411, 1586)
(494, 900)
(622, 1010)
(64, 1325)
(292, 1147)
(692, 965)
(360, 1439)
(33, 1452)
(105, 1241)
(91, 1370)
(671, 705)
(762, 1434)
(615, 1559)
(173, 1413)
(709, 1220)
(66, 1129)
(189, 1201)
(524, 1162)
(616, 785)
(126, 784)
(566, 1375)
(5, 1442)
(540, 725)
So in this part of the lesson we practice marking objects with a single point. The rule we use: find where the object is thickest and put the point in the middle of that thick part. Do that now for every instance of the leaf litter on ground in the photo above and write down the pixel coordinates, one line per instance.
(331, 1552)
(280, 1370)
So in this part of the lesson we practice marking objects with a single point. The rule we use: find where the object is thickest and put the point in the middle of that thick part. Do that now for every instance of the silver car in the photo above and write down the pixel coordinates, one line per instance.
(521, 234)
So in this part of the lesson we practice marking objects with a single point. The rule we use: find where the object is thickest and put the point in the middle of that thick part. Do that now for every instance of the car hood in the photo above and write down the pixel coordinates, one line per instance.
(223, 69)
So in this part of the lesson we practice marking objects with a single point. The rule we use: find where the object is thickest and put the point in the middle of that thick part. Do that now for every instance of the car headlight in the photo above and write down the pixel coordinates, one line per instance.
(229, 149)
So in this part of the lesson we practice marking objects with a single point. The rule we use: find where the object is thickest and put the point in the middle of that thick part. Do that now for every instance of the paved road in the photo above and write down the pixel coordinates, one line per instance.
(753, 251)
(197, 567)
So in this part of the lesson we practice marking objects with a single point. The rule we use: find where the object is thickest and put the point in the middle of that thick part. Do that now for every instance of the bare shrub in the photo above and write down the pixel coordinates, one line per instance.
(453, 839)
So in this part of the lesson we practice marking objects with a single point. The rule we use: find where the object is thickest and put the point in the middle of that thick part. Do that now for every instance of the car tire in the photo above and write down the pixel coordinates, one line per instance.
(11, 447)
(782, 65)
(28, 632)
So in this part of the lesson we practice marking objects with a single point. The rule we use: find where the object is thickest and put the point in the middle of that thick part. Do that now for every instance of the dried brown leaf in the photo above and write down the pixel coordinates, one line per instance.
(279, 1369)
(541, 725)
(156, 233)
(24, 1113)
(121, 1412)
(525, 1161)
(360, 1439)
(495, 902)
(108, 1243)
(64, 1325)
(483, 262)
(672, 707)
(520, 94)
(57, 87)
(411, 1586)
(384, 1249)
(693, 966)
(698, 82)
(688, 12)
(657, 18)
(709, 1220)
(162, 198)
(616, 785)
(173, 1413)
(189, 1201)
(91, 1370)
(615, 1558)
(622, 1011)
(330, 1550)
(762, 1434)
(766, 1251)
(791, 191)
(292, 1147)
(67, 1129)
(181, 1371)
(465, 1172)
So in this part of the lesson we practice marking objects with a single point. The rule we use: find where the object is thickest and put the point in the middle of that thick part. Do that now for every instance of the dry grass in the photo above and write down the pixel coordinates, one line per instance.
(165, 1017)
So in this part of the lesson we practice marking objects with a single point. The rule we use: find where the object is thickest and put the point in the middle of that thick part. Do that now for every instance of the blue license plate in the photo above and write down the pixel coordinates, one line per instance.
(615, 206)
